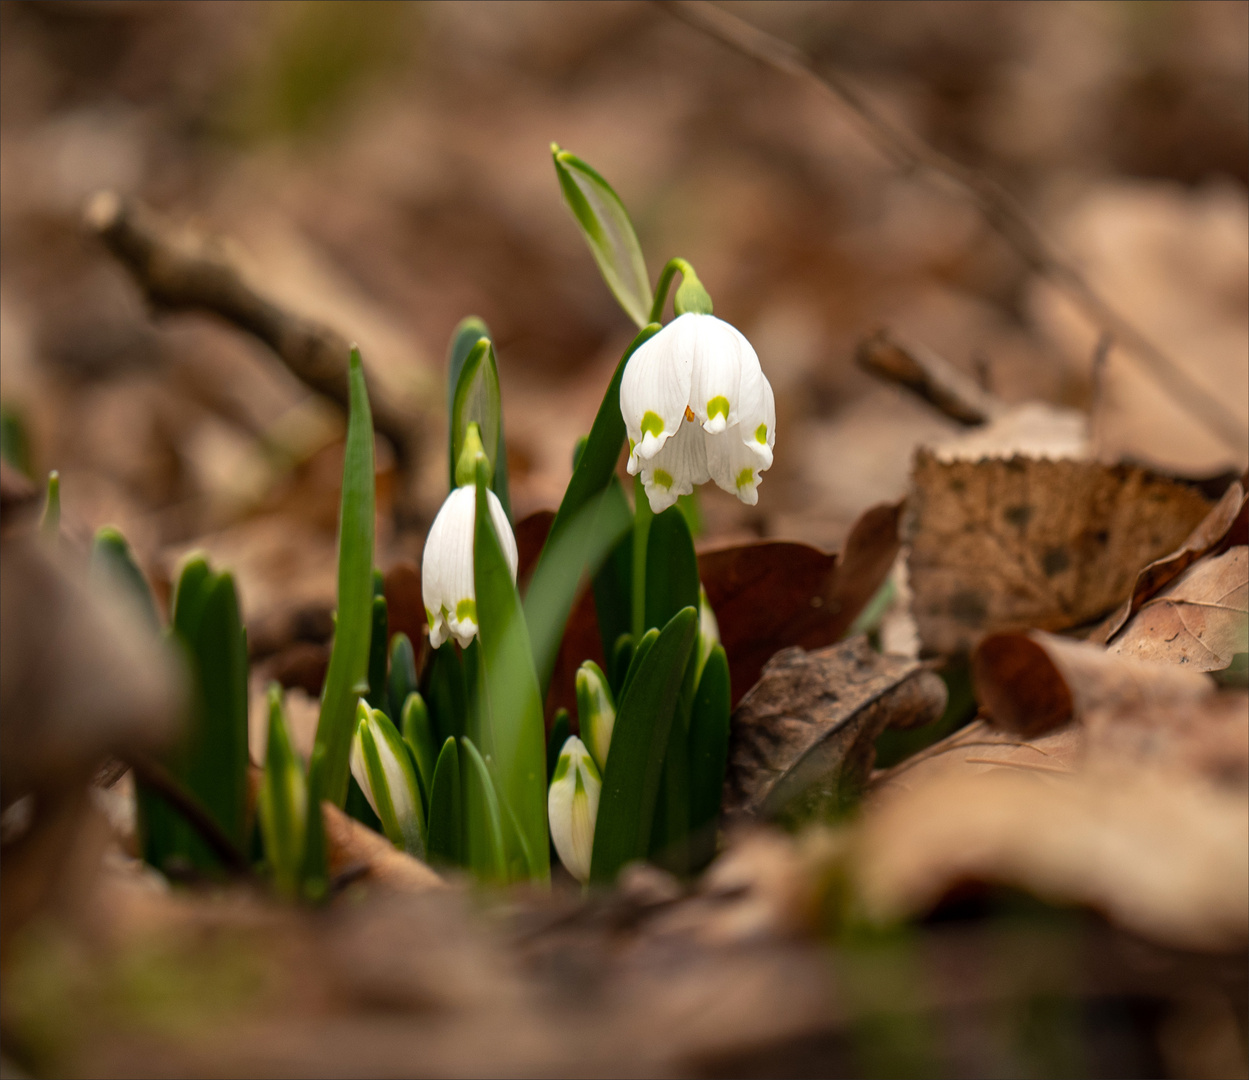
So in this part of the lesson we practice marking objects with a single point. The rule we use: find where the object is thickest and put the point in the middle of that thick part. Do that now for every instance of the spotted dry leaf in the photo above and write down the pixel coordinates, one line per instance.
(1027, 543)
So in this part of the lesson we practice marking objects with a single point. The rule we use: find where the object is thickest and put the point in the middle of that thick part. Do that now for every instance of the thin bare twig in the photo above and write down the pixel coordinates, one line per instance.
(180, 272)
(160, 780)
(929, 376)
(911, 155)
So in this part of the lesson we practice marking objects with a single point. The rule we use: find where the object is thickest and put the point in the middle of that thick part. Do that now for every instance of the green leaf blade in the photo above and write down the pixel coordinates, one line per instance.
(483, 823)
(709, 752)
(446, 840)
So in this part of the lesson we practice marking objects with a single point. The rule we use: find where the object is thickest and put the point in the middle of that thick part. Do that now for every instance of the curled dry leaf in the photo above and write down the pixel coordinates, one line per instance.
(1165, 856)
(1025, 543)
(1035, 682)
(1227, 524)
(805, 733)
(1201, 619)
(771, 595)
(355, 850)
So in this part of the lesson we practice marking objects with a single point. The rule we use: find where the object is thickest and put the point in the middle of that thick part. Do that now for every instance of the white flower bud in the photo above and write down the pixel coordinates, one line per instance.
(596, 711)
(572, 807)
(384, 769)
(447, 566)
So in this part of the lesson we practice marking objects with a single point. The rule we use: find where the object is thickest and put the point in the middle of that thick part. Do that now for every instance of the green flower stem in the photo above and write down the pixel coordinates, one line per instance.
(691, 296)
(642, 516)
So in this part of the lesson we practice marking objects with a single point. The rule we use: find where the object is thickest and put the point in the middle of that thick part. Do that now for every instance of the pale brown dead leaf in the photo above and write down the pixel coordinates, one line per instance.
(1024, 543)
(805, 734)
(1035, 682)
(1200, 620)
(355, 850)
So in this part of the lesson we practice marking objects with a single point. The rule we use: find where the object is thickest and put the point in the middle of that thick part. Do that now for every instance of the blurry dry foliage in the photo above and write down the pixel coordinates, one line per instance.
(1017, 504)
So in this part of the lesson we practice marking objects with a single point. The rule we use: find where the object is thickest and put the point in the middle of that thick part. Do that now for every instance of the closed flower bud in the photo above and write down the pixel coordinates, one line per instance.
(383, 767)
(447, 566)
(596, 711)
(572, 807)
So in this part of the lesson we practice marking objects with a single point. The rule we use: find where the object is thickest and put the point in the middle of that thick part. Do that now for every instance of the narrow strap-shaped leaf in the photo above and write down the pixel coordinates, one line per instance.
(516, 853)
(613, 584)
(642, 518)
(402, 679)
(478, 400)
(671, 568)
(607, 229)
(635, 662)
(446, 693)
(50, 523)
(378, 695)
(283, 802)
(445, 844)
(621, 658)
(709, 750)
(467, 333)
(414, 723)
(669, 840)
(483, 832)
(643, 722)
(347, 676)
(111, 556)
(509, 701)
(315, 876)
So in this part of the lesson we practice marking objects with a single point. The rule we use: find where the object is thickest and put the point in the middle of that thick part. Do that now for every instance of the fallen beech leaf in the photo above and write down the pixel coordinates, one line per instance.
(353, 848)
(1201, 619)
(1164, 856)
(1024, 543)
(1227, 523)
(1031, 683)
(531, 534)
(805, 733)
(405, 606)
(774, 594)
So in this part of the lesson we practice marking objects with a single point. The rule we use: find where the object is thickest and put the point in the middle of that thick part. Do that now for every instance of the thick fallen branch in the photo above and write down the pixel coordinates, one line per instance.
(1000, 209)
(181, 272)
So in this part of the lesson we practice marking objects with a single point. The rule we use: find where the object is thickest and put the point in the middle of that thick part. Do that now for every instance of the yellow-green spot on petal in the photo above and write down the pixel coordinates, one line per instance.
(652, 423)
(663, 479)
(430, 617)
(467, 609)
(718, 406)
(561, 768)
(761, 434)
(632, 445)
(745, 477)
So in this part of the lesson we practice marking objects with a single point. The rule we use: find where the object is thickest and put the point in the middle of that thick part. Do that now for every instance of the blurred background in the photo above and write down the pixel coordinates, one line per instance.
(385, 169)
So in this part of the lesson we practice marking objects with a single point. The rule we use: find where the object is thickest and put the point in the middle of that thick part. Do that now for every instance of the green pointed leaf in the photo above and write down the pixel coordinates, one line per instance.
(637, 656)
(445, 845)
(469, 331)
(621, 659)
(607, 229)
(671, 568)
(446, 692)
(561, 728)
(509, 705)
(315, 883)
(282, 805)
(111, 557)
(378, 696)
(709, 751)
(414, 721)
(477, 400)
(402, 679)
(50, 525)
(613, 584)
(349, 660)
(483, 833)
(643, 723)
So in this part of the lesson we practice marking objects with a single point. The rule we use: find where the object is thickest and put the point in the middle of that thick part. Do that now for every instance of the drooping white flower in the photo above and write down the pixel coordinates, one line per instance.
(383, 767)
(697, 407)
(447, 566)
(572, 807)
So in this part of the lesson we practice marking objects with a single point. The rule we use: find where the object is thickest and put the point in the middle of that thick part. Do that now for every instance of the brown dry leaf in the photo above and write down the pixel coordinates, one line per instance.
(773, 594)
(805, 733)
(1226, 524)
(354, 850)
(1024, 543)
(1031, 683)
(405, 605)
(1161, 854)
(1201, 619)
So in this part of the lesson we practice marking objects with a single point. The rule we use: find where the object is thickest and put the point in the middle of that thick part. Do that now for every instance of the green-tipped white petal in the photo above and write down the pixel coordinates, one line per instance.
(596, 711)
(572, 807)
(677, 469)
(447, 565)
(383, 767)
(654, 392)
(708, 629)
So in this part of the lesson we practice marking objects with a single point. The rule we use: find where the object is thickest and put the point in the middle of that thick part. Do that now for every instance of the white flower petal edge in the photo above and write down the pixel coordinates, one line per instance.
(676, 469)
(655, 390)
(723, 361)
(572, 807)
(447, 565)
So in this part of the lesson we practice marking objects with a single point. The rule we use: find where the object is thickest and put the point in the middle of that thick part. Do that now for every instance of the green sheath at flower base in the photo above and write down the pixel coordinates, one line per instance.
(472, 451)
(283, 802)
(596, 711)
(384, 768)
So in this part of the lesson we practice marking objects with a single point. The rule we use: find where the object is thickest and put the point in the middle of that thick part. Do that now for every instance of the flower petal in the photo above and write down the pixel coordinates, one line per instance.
(677, 468)
(655, 389)
(757, 412)
(736, 466)
(572, 807)
(721, 356)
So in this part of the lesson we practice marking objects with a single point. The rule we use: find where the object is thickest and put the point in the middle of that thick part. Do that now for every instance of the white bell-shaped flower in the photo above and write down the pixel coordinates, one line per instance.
(447, 566)
(572, 807)
(697, 407)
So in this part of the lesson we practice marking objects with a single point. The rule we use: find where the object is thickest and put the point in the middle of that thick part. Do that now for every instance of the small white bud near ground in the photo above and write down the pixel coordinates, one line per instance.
(572, 807)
